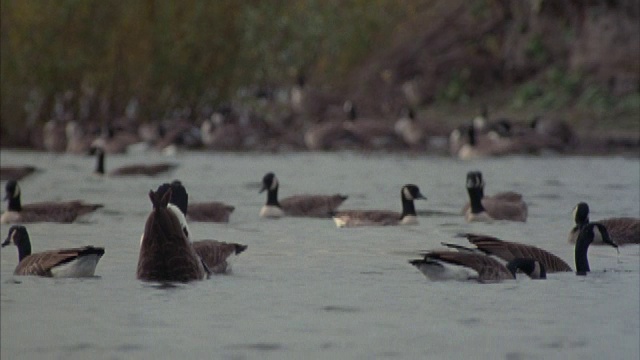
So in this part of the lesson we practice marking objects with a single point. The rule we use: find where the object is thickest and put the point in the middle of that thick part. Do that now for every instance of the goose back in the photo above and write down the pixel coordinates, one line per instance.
(508, 251)
(165, 252)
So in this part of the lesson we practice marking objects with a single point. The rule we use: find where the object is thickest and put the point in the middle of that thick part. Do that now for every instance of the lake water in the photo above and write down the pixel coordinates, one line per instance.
(305, 289)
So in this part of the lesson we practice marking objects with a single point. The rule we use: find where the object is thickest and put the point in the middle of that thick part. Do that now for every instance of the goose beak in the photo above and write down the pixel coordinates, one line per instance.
(420, 196)
(263, 188)
(7, 241)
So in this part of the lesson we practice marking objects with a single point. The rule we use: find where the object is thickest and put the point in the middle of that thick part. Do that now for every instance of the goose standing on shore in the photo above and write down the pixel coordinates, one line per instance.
(353, 218)
(502, 206)
(304, 205)
(74, 262)
(63, 212)
(622, 230)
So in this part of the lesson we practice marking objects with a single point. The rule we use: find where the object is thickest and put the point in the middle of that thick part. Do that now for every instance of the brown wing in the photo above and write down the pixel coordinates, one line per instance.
(64, 212)
(488, 268)
(623, 230)
(40, 264)
(215, 253)
(147, 170)
(508, 251)
(364, 217)
(209, 211)
(505, 210)
(311, 205)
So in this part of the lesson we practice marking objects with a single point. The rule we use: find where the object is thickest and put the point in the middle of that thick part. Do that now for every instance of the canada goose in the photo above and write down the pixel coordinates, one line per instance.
(130, 170)
(64, 212)
(370, 133)
(78, 141)
(113, 142)
(297, 205)
(166, 254)
(75, 262)
(220, 133)
(585, 238)
(53, 136)
(408, 129)
(353, 218)
(622, 230)
(15, 172)
(502, 206)
(463, 266)
(508, 251)
(213, 211)
(559, 134)
(214, 254)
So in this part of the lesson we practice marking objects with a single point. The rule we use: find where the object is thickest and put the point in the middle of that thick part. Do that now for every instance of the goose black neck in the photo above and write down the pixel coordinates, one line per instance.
(408, 208)
(14, 203)
(24, 249)
(100, 163)
(272, 197)
(472, 136)
(585, 237)
(475, 199)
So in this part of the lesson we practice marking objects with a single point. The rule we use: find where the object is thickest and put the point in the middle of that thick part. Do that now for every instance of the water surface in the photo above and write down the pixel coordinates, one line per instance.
(305, 289)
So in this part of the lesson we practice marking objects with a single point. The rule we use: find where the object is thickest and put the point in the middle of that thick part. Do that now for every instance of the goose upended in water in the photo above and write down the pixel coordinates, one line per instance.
(212, 253)
(212, 211)
(622, 230)
(63, 212)
(467, 265)
(353, 218)
(166, 253)
(130, 170)
(304, 205)
(502, 206)
(508, 251)
(73, 262)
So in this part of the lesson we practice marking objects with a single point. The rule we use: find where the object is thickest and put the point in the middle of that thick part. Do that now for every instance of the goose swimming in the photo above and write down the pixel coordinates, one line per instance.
(73, 262)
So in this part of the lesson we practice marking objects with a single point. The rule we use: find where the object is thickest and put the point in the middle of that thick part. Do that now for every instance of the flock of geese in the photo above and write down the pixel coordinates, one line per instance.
(169, 254)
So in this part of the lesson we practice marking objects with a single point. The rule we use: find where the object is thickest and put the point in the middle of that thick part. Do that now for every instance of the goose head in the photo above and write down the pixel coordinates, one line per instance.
(12, 195)
(409, 193)
(19, 237)
(412, 192)
(581, 214)
(179, 195)
(269, 182)
(533, 268)
(475, 189)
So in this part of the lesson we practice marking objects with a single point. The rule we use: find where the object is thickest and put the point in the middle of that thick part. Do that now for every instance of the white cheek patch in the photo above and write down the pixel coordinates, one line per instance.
(407, 194)
(274, 184)
(181, 218)
(17, 192)
(597, 234)
(574, 213)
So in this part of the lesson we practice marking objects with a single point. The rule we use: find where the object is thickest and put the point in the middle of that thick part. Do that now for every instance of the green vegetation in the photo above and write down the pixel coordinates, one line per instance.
(99, 54)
